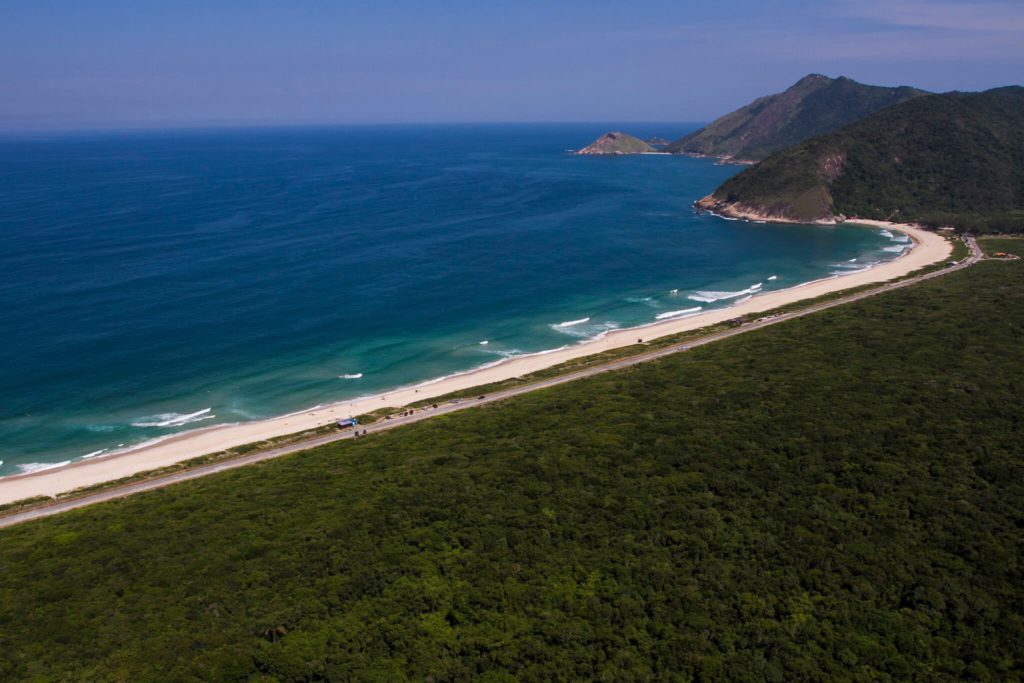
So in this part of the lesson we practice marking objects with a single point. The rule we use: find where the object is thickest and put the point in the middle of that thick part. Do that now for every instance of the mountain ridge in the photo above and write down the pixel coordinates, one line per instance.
(813, 105)
(950, 159)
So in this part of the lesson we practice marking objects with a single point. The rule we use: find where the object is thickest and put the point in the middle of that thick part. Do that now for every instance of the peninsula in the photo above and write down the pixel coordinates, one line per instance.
(951, 159)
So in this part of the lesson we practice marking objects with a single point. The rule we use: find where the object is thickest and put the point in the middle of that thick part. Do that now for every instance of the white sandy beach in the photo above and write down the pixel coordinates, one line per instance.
(929, 248)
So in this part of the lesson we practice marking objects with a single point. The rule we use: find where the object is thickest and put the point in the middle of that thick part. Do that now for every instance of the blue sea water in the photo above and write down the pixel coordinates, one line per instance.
(157, 282)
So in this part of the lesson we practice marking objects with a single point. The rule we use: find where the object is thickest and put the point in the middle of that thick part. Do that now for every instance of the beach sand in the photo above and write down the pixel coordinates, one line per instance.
(928, 248)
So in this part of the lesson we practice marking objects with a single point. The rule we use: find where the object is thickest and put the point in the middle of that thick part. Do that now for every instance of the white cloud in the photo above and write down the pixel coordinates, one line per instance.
(1000, 17)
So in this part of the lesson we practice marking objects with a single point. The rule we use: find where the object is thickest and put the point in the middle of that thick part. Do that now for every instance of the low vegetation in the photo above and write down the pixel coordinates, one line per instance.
(1002, 245)
(837, 498)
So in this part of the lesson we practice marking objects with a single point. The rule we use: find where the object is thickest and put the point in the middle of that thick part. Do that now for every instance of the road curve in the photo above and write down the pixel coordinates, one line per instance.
(60, 506)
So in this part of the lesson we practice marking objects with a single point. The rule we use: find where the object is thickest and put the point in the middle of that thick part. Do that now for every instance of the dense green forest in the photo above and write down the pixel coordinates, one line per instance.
(952, 159)
(840, 497)
(814, 105)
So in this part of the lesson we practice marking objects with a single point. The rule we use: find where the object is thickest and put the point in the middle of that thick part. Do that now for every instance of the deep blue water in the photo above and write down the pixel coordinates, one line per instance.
(147, 277)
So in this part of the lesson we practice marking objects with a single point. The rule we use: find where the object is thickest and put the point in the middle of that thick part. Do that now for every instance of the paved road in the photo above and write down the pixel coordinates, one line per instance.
(445, 408)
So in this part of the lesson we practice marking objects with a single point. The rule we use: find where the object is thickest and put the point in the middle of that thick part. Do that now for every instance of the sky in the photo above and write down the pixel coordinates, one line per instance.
(102, 64)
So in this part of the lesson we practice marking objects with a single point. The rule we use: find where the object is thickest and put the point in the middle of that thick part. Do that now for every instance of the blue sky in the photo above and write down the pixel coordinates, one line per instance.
(113, 63)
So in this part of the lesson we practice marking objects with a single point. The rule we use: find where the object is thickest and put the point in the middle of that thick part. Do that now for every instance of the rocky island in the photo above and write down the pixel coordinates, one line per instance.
(616, 144)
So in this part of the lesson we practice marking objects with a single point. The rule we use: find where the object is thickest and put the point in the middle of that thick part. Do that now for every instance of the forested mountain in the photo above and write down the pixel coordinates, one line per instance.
(955, 158)
(816, 104)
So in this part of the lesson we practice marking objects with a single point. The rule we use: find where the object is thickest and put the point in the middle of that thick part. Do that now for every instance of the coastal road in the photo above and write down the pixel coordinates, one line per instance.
(60, 506)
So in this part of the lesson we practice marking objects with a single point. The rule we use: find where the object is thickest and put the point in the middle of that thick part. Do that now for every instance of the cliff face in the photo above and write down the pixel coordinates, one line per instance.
(952, 159)
(815, 105)
(617, 143)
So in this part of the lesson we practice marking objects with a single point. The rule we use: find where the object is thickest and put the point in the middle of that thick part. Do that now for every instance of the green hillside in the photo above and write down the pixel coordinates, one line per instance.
(616, 143)
(956, 158)
(816, 104)
(751, 510)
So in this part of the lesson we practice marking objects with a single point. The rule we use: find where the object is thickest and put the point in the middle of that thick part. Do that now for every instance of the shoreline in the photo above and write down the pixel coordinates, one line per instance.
(927, 248)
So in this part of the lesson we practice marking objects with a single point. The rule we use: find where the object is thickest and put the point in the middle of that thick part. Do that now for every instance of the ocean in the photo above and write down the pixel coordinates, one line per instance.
(156, 282)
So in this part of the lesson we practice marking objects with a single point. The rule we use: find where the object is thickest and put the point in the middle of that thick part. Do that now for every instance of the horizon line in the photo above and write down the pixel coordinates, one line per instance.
(214, 127)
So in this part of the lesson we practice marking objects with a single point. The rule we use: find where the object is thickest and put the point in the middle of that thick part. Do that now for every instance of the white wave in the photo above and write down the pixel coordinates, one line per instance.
(484, 342)
(851, 260)
(586, 330)
(773, 277)
(676, 314)
(849, 271)
(173, 419)
(354, 375)
(710, 297)
(571, 323)
(848, 266)
(31, 467)
(897, 248)
(505, 353)
(93, 454)
(885, 233)
(748, 297)
(900, 238)
(673, 291)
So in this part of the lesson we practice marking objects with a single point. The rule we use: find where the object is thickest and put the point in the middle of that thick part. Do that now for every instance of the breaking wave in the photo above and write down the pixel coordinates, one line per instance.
(571, 323)
(896, 248)
(585, 330)
(677, 314)
(711, 297)
(173, 419)
(354, 375)
(30, 467)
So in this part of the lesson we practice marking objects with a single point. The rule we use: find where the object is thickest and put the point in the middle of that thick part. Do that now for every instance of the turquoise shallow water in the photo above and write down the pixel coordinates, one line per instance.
(160, 282)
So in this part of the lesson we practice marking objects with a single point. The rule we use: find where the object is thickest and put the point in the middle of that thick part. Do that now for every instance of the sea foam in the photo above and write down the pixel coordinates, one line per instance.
(584, 329)
(677, 314)
(30, 467)
(354, 375)
(173, 419)
(711, 297)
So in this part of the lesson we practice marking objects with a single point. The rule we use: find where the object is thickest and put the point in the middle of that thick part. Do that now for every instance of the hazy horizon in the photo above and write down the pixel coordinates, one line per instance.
(116, 65)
